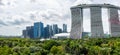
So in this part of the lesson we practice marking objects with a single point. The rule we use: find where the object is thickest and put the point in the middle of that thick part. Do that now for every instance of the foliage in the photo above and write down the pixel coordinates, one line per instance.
(86, 46)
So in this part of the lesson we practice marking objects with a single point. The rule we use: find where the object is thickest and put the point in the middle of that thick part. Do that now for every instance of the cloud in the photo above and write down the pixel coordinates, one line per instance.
(82, 2)
(2, 23)
(22, 13)
(1, 4)
(32, 16)
(32, 1)
(51, 14)
(18, 22)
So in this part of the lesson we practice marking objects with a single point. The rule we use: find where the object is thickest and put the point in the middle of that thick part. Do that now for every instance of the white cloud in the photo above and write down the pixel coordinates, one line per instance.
(82, 2)
(30, 11)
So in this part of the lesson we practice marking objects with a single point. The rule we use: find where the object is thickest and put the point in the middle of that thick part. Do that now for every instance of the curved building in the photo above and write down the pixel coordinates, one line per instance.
(95, 20)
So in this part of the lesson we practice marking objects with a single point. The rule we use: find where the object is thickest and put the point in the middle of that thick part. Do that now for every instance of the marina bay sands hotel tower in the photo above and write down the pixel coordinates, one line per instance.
(95, 20)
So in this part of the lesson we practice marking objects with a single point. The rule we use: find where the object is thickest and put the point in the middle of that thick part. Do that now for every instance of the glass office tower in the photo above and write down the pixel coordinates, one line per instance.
(65, 28)
(55, 29)
(38, 30)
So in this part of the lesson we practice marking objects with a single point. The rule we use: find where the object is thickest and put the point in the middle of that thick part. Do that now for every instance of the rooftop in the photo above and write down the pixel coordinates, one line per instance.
(96, 5)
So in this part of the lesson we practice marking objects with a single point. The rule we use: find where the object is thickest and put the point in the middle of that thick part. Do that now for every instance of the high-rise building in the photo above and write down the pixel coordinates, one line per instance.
(46, 31)
(59, 30)
(30, 31)
(64, 28)
(50, 31)
(55, 29)
(96, 22)
(38, 30)
(24, 33)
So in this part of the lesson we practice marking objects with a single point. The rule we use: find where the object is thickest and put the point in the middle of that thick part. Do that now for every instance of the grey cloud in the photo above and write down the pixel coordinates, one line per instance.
(8, 3)
(51, 15)
(55, 15)
(2, 23)
(9, 17)
(18, 27)
(91, 0)
(32, 16)
(73, 0)
(32, 0)
(67, 16)
(45, 16)
(1, 3)
(18, 22)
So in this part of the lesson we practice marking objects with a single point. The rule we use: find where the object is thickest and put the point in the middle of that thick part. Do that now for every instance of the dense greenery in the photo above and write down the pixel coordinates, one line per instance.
(95, 46)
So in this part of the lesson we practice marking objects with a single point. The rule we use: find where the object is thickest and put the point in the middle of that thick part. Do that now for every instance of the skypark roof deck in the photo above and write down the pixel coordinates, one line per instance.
(96, 5)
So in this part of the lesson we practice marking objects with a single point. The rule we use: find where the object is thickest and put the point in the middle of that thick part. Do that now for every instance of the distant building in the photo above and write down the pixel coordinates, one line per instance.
(50, 31)
(28, 33)
(55, 29)
(61, 36)
(47, 31)
(96, 22)
(59, 30)
(64, 28)
(24, 33)
(85, 34)
(38, 30)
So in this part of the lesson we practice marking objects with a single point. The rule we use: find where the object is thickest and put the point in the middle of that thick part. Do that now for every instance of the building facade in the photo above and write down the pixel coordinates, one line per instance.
(95, 20)
(65, 28)
(55, 29)
(24, 33)
(47, 31)
(28, 33)
(38, 30)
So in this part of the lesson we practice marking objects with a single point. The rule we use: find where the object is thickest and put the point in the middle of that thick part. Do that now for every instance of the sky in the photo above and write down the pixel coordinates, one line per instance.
(15, 15)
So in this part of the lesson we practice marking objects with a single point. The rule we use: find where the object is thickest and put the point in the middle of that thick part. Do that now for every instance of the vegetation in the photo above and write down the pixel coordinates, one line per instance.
(94, 46)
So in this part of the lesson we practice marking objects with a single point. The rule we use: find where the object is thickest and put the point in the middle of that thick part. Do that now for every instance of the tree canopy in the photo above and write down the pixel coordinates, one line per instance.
(88, 46)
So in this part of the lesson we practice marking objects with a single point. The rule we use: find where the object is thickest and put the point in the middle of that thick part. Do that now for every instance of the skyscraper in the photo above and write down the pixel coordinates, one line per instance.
(64, 28)
(29, 31)
(50, 31)
(46, 31)
(38, 30)
(59, 30)
(24, 33)
(55, 29)
(96, 22)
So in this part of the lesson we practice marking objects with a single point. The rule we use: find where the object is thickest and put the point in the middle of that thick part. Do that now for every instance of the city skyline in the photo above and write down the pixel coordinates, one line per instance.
(15, 15)
(39, 30)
